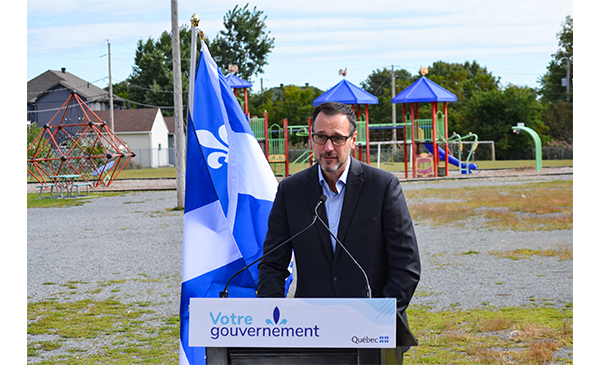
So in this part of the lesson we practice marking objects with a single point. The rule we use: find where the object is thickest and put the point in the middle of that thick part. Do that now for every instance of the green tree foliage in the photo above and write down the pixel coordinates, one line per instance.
(151, 81)
(462, 79)
(559, 119)
(379, 84)
(551, 89)
(245, 42)
(559, 114)
(291, 102)
(491, 115)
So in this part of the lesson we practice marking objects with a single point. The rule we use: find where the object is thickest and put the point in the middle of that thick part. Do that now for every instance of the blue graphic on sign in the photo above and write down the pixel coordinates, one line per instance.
(276, 316)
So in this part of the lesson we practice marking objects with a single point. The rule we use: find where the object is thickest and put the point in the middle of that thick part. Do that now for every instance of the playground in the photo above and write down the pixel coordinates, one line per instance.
(419, 146)
(77, 150)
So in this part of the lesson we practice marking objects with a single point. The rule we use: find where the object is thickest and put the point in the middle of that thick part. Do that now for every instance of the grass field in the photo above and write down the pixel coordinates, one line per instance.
(170, 172)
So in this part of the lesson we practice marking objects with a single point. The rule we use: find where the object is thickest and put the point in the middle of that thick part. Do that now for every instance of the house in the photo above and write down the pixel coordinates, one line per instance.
(47, 92)
(145, 132)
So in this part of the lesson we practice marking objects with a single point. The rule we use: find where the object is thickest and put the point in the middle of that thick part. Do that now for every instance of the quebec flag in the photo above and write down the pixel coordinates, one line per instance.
(230, 189)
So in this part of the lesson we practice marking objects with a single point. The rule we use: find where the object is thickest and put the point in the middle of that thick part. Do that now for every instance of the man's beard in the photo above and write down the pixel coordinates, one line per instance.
(334, 167)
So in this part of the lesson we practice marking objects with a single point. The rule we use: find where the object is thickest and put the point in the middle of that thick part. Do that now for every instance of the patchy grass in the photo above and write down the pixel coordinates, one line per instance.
(34, 200)
(110, 331)
(562, 251)
(100, 331)
(496, 336)
(525, 207)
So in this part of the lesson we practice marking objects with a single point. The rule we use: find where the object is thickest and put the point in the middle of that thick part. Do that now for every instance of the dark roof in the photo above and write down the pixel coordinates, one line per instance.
(170, 124)
(422, 91)
(346, 92)
(50, 80)
(130, 120)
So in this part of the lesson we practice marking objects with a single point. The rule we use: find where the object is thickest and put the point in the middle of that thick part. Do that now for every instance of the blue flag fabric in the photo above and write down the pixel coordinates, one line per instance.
(230, 189)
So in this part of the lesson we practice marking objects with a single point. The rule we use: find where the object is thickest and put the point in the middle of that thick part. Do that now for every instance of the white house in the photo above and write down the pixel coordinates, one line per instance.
(144, 131)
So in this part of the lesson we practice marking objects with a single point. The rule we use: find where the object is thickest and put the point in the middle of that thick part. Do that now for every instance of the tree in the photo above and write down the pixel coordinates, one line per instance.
(244, 43)
(463, 80)
(291, 102)
(491, 114)
(551, 87)
(151, 81)
(379, 84)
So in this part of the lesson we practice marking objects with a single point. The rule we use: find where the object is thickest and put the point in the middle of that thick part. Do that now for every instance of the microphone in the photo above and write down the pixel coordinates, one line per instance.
(225, 293)
(368, 286)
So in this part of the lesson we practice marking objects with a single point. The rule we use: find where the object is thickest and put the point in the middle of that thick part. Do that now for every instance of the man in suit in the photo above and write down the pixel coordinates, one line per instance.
(365, 209)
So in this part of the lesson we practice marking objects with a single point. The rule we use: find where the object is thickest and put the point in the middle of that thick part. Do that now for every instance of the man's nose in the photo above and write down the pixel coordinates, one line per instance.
(328, 145)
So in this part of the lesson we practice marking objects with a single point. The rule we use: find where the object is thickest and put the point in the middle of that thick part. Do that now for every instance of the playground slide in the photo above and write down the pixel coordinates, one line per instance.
(451, 159)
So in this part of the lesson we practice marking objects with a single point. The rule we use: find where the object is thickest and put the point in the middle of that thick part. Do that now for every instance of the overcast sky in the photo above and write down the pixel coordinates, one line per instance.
(514, 39)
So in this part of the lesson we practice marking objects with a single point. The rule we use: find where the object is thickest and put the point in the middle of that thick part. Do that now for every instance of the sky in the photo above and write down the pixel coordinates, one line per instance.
(314, 39)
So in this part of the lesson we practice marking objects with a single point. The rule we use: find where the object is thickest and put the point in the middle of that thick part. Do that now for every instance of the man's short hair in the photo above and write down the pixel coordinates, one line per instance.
(332, 108)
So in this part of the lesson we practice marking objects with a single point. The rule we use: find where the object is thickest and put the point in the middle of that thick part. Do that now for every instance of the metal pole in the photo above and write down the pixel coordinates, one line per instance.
(568, 78)
(178, 103)
(393, 109)
(110, 93)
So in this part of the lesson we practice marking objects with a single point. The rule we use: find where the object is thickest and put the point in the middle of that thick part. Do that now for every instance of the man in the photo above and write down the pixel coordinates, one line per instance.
(365, 209)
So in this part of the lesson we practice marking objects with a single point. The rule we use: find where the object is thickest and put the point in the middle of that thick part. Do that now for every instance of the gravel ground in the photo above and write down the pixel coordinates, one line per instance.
(133, 241)
(136, 236)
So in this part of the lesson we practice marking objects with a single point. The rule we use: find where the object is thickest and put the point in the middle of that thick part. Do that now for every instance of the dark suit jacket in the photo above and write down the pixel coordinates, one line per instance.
(375, 226)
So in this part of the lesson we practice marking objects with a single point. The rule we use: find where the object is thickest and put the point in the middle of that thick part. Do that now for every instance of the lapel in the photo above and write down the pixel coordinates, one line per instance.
(354, 186)
(313, 193)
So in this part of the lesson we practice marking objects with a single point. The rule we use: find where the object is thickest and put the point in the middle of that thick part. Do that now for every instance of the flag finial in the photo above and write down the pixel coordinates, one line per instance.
(195, 19)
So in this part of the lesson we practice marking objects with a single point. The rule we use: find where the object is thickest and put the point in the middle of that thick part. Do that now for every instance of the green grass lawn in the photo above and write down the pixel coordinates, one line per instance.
(170, 172)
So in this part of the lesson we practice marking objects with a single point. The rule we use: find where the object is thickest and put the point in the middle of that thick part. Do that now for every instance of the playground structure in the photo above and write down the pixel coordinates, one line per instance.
(536, 141)
(238, 83)
(425, 140)
(430, 133)
(274, 141)
(80, 144)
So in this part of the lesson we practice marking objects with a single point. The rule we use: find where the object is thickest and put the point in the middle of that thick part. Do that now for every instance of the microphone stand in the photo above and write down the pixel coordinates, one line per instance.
(225, 293)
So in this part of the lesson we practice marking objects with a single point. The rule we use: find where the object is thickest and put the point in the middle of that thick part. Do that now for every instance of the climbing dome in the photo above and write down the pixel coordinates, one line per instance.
(77, 141)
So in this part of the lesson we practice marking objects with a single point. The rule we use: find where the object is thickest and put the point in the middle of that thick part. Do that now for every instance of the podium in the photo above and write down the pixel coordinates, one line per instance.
(298, 331)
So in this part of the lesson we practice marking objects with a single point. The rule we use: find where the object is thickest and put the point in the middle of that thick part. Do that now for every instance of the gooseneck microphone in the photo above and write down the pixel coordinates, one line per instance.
(368, 285)
(225, 293)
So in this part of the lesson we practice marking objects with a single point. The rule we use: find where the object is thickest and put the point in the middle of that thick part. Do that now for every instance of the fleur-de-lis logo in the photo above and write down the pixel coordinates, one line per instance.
(209, 140)
(276, 316)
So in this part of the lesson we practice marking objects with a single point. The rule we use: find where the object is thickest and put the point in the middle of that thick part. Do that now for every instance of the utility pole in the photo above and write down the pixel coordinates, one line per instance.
(393, 106)
(178, 102)
(110, 92)
(568, 78)
(394, 136)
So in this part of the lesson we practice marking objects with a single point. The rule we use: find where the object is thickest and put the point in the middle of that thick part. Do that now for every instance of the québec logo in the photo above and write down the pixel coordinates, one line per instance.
(276, 316)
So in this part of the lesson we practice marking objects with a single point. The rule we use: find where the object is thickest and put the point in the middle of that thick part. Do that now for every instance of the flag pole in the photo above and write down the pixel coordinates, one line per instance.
(195, 20)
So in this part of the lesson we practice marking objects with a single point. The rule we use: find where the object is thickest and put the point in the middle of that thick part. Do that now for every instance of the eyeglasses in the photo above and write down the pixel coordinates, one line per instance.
(336, 140)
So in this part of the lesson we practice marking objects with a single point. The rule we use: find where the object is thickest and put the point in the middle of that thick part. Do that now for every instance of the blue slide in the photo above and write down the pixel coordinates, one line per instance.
(451, 159)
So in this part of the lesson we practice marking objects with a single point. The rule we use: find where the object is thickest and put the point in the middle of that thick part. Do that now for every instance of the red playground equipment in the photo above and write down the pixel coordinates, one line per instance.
(80, 145)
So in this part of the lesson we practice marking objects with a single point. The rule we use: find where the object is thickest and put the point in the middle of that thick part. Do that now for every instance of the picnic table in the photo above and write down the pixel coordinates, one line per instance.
(61, 184)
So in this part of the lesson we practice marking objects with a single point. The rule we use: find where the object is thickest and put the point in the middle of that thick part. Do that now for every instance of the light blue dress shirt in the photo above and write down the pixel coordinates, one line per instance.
(335, 201)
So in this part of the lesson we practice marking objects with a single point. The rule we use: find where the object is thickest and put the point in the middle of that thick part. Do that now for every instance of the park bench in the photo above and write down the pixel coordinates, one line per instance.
(52, 187)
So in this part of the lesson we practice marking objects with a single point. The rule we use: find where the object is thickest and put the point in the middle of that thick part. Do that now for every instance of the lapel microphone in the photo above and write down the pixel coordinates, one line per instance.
(368, 285)
(322, 199)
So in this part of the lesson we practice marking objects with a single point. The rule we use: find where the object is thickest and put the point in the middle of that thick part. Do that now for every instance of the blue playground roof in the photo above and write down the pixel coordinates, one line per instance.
(346, 93)
(422, 91)
(237, 83)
